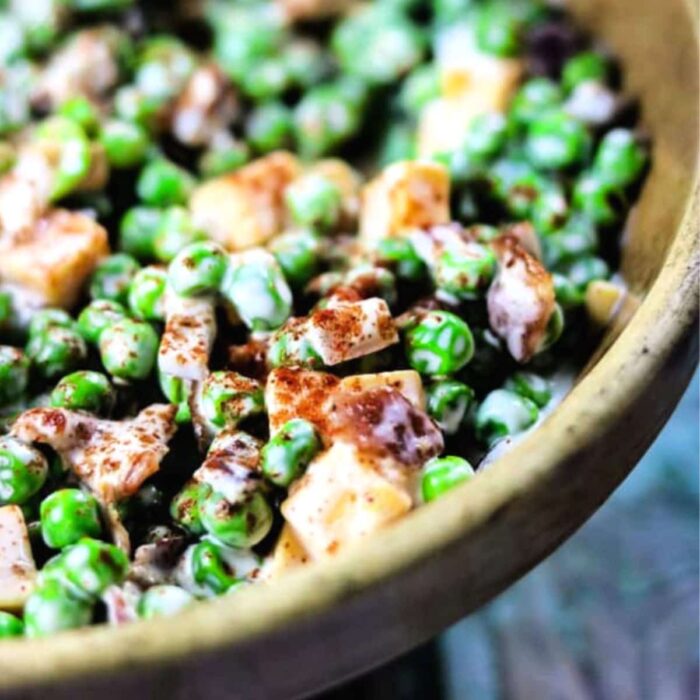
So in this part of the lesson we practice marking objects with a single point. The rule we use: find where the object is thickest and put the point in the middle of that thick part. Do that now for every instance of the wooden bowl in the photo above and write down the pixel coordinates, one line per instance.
(329, 622)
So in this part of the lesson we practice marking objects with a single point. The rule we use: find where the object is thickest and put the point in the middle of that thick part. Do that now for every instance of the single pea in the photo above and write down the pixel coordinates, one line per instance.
(620, 158)
(51, 608)
(503, 413)
(307, 63)
(498, 29)
(584, 270)
(314, 200)
(550, 209)
(518, 185)
(566, 292)
(466, 273)
(266, 79)
(535, 98)
(219, 161)
(531, 386)
(128, 349)
(576, 238)
(556, 141)
(69, 140)
(448, 404)
(398, 143)
(147, 293)
(242, 524)
(125, 142)
(440, 344)
(184, 508)
(112, 277)
(227, 398)
(298, 255)
(82, 111)
(23, 471)
(401, 256)
(555, 328)
(132, 104)
(47, 318)
(209, 568)
(442, 474)
(67, 516)
(137, 231)
(14, 373)
(486, 136)
(97, 316)
(259, 293)
(598, 199)
(10, 626)
(198, 269)
(584, 66)
(56, 351)
(162, 601)
(289, 451)
(164, 65)
(162, 183)
(176, 230)
(84, 390)
(420, 87)
(291, 348)
(269, 127)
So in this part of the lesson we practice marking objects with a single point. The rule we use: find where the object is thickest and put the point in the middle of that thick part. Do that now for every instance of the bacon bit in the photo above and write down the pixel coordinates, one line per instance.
(520, 300)
(112, 457)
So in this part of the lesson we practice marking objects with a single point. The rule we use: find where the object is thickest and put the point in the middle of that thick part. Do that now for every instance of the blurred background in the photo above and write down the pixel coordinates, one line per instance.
(612, 615)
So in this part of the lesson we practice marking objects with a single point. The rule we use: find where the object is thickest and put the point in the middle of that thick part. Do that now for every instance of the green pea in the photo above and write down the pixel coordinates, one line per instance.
(377, 44)
(52, 608)
(306, 62)
(128, 349)
(535, 98)
(209, 568)
(47, 318)
(74, 155)
(583, 67)
(440, 344)
(620, 158)
(550, 209)
(147, 294)
(517, 185)
(177, 392)
(56, 351)
(259, 293)
(14, 373)
(137, 231)
(555, 328)
(241, 525)
(184, 508)
(269, 127)
(112, 277)
(442, 474)
(198, 269)
(531, 386)
(585, 270)
(267, 79)
(499, 31)
(163, 184)
(220, 161)
(82, 111)
(10, 626)
(289, 451)
(227, 398)
(97, 316)
(400, 254)
(486, 136)
(448, 404)
(566, 292)
(23, 471)
(175, 231)
(298, 255)
(164, 64)
(398, 143)
(100, 5)
(503, 413)
(420, 88)
(132, 104)
(578, 237)
(556, 141)
(126, 143)
(163, 601)
(84, 391)
(599, 199)
(67, 516)
(466, 273)
(314, 200)
(291, 348)
(7, 310)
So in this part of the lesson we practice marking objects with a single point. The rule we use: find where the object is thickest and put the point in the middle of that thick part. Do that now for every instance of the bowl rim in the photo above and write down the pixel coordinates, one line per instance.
(667, 318)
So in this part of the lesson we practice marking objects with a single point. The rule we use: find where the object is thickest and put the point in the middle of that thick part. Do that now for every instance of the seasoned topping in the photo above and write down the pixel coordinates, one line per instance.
(17, 569)
(113, 458)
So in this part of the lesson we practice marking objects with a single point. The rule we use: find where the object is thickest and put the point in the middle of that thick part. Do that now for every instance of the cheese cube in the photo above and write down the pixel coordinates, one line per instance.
(288, 554)
(407, 382)
(17, 568)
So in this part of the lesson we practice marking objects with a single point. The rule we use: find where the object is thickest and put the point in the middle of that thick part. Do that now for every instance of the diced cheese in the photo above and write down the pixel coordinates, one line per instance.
(406, 382)
(55, 257)
(342, 498)
(246, 208)
(288, 554)
(406, 195)
(17, 568)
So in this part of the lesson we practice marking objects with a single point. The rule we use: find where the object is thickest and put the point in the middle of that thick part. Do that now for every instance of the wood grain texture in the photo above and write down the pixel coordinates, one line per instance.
(329, 622)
